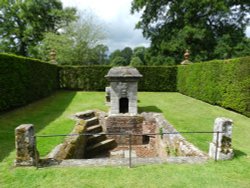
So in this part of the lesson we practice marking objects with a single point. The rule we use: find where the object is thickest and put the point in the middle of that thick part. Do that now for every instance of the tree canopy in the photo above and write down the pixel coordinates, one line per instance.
(203, 26)
(23, 23)
(136, 61)
(139, 56)
(79, 43)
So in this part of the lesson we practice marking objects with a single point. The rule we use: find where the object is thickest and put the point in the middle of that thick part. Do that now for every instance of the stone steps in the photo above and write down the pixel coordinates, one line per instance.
(92, 121)
(94, 129)
(100, 147)
(94, 139)
(85, 115)
(97, 145)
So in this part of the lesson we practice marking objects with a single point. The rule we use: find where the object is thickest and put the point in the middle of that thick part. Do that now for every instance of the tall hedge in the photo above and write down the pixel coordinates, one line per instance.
(158, 79)
(221, 82)
(87, 78)
(91, 78)
(23, 80)
(225, 83)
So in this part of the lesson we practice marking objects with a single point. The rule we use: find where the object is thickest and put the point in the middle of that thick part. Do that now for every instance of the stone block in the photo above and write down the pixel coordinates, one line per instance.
(221, 146)
(219, 154)
(26, 152)
(126, 153)
(124, 124)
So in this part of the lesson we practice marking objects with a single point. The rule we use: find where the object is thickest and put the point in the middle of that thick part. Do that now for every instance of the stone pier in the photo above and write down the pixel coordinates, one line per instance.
(26, 152)
(221, 147)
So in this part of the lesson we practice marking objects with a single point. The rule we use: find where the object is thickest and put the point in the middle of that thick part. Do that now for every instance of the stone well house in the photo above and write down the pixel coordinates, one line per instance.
(123, 90)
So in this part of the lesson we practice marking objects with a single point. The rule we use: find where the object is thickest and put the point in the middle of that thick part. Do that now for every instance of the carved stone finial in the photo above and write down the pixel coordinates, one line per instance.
(53, 56)
(186, 55)
(186, 58)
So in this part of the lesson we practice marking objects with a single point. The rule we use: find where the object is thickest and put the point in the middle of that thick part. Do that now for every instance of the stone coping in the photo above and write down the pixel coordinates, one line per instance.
(123, 72)
(125, 161)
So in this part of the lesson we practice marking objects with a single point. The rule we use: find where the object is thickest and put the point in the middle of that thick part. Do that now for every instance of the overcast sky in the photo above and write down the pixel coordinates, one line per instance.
(119, 24)
(116, 19)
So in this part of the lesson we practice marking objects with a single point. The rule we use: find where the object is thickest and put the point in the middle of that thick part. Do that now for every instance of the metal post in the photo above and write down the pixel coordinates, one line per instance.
(130, 149)
(36, 156)
(217, 143)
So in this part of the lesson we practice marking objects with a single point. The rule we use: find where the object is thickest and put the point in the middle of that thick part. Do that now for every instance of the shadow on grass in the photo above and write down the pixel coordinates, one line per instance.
(39, 113)
(238, 153)
(149, 109)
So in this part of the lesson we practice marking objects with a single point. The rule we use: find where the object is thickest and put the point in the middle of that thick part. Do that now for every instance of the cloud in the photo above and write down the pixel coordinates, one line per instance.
(118, 23)
(248, 32)
(122, 33)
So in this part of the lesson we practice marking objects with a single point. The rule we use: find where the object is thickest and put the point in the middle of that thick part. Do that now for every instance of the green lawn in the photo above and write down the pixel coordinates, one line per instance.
(51, 115)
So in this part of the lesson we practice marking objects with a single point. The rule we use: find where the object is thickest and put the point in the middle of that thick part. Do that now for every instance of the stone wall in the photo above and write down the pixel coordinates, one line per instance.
(73, 146)
(171, 144)
(145, 129)
(153, 124)
(127, 125)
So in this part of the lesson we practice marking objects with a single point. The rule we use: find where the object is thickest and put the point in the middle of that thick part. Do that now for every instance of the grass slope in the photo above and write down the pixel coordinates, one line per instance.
(51, 116)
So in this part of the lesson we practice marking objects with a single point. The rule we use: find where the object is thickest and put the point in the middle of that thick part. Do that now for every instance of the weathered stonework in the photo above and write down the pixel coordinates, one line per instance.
(26, 152)
(107, 96)
(221, 147)
(171, 144)
(73, 147)
(147, 144)
(124, 125)
(83, 115)
(123, 90)
(135, 161)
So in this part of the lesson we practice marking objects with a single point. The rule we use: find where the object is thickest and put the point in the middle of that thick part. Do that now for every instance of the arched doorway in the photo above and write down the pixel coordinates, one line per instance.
(123, 105)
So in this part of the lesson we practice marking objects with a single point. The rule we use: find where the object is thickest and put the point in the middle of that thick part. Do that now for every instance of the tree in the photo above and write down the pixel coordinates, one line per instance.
(140, 53)
(114, 54)
(124, 54)
(23, 23)
(119, 61)
(243, 49)
(79, 43)
(160, 60)
(100, 54)
(136, 61)
(127, 53)
(173, 26)
(61, 43)
(226, 48)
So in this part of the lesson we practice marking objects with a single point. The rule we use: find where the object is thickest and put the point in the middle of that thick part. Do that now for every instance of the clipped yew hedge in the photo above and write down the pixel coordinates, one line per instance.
(221, 82)
(91, 78)
(23, 80)
(87, 78)
(158, 79)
